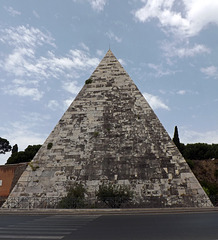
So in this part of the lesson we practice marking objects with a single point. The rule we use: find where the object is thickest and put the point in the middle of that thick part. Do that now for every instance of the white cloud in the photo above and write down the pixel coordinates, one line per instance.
(82, 60)
(159, 71)
(122, 62)
(181, 92)
(22, 132)
(34, 93)
(112, 36)
(12, 11)
(210, 72)
(22, 82)
(190, 136)
(67, 102)
(98, 5)
(23, 60)
(84, 46)
(4, 158)
(53, 105)
(172, 50)
(19, 62)
(100, 53)
(182, 17)
(71, 87)
(36, 14)
(155, 102)
(28, 67)
(22, 36)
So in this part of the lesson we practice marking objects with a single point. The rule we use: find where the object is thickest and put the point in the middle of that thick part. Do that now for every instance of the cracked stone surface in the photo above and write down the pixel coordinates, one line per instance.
(110, 134)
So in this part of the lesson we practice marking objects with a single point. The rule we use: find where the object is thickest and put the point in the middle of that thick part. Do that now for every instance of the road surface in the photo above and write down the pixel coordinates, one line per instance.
(150, 226)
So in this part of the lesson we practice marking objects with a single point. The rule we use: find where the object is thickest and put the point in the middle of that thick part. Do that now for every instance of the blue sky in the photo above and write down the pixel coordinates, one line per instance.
(49, 48)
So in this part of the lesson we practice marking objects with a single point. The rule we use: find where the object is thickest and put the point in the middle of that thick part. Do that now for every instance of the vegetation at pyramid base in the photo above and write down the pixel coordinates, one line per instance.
(114, 195)
(23, 156)
(75, 197)
(210, 188)
(4, 146)
(206, 171)
(110, 195)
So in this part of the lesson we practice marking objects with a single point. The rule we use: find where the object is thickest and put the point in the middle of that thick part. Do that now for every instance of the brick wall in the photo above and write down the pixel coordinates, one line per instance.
(9, 175)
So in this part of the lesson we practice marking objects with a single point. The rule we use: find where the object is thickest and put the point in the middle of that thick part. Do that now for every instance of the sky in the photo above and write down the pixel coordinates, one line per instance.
(49, 48)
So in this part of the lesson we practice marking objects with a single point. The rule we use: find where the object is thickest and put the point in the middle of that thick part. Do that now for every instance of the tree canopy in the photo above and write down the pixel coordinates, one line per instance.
(23, 156)
(176, 138)
(200, 151)
(4, 146)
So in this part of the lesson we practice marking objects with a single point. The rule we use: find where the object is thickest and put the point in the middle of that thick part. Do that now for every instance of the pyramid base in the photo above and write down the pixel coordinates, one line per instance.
(144, 195)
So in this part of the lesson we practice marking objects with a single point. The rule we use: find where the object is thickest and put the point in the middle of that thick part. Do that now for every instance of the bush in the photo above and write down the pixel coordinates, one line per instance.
(74, 199)
(114, 195)
(211, 188)
(49, 145)
(207, 191)
(88, 81)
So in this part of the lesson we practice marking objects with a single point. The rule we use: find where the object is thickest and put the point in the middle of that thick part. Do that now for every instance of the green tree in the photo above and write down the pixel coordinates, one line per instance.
(200, 151)
(4, 146)
(14, 149)
(24, 156)
(176, 138)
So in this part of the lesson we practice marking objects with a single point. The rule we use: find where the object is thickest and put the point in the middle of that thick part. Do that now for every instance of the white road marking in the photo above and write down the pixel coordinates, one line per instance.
(52, 227)
(30, 237)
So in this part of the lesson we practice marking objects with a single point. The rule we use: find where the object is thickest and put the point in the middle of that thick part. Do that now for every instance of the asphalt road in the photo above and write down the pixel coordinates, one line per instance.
(179, 226)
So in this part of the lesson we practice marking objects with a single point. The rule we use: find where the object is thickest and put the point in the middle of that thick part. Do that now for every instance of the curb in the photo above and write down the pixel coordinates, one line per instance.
(120, 211)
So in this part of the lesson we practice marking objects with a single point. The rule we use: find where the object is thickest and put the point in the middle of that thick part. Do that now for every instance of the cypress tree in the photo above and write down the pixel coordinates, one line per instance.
(176, 138)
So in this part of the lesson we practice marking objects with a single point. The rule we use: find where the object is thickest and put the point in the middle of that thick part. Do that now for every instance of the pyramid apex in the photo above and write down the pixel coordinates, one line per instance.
(110, 65)
(109, 52)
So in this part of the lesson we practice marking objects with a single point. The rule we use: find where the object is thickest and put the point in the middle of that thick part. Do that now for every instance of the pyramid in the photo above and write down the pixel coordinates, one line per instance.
(109, 135)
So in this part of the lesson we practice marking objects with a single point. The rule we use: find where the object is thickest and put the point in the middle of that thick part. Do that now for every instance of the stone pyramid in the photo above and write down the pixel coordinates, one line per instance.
(109, 134)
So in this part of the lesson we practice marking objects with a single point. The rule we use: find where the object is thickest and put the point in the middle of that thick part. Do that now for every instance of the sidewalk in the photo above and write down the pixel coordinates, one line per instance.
(108, 211)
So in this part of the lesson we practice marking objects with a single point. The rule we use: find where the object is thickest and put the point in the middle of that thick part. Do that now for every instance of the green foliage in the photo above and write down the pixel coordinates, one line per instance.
(195, 151)
(200, 151)
(211, 188)
(207, 191)
(114, 195)
(49, 146)
(24, 156)
(88, 81)
(4, 146)
(33, 167)
(95, 134)
(14, 149)
(74, 199)
(190, 163)
(176, 138)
